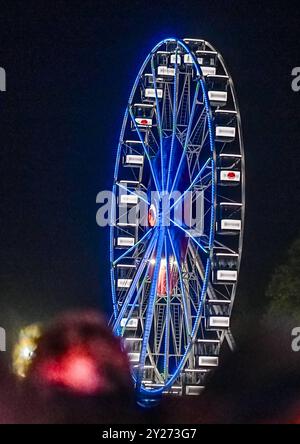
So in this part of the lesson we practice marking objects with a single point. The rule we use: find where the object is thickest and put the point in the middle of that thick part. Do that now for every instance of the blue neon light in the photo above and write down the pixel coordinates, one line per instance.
(158, 240)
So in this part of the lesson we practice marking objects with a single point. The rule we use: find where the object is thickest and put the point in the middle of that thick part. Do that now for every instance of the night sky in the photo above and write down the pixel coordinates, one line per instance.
(70, 67)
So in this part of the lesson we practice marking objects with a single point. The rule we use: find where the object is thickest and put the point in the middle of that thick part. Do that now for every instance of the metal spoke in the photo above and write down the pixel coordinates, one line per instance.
(135, 281)
(150, 310)
(187, 138)
(192, 184)
(159, 122)
(183, 293)
(145, 150)
(133, 247)
(132, 192)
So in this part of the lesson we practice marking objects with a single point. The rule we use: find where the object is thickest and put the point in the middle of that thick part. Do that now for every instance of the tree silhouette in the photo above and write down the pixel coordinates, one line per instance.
(284, 289)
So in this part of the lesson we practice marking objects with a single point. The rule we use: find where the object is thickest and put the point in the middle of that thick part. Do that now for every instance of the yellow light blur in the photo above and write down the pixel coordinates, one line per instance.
(24, 349)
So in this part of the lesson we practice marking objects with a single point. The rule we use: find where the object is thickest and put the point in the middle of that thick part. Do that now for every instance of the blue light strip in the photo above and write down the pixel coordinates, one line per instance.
(159, 123)
(192, 184)
(150, 309)
(188, 134)
(190, 236)
(168, 315)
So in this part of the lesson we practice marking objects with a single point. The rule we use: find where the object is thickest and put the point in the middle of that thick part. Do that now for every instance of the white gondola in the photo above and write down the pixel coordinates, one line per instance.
(129, 339)
(128, 199)
(127, 224)
(124, 283)
(225, 268)
(196, 370)
(188, 59)
(217, 89)
(208, 361)
(132, 345)
(124, 242)
(134, 357)
(163, 68)
(125, 270)
(218, 305)
(225, 124)
(130, 183)
(125, 266)
(230, 176)
(128, 193)
(133, 160)
(229, 218)
(126, 233)
(150, 92)
(194, 390)
(217, 315)
(132, 157)
(208, 62)
(218, 322)
(228, 276)
(143, 113)
(229, 166)
(131, 323)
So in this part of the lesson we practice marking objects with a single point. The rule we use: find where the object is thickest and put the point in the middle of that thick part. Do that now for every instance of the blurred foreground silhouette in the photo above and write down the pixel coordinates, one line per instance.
(80, 374)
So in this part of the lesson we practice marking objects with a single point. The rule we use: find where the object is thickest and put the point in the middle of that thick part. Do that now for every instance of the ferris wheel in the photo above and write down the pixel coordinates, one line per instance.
(174, 278)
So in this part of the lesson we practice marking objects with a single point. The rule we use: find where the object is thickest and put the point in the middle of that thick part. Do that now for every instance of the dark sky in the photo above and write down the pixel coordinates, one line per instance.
(70, 67)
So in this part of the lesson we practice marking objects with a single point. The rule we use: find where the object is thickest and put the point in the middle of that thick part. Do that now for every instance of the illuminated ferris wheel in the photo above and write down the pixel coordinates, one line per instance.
(176, 240)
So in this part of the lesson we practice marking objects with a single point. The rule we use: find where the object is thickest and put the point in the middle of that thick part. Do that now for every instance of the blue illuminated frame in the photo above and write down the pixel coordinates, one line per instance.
(159, 237)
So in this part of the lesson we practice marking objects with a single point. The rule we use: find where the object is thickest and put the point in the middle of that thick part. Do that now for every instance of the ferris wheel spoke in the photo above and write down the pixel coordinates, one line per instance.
(159, 123)
(138, 195)
(187, 137)
(150, 309)
(224, 247)
(140, 290)
(168, 315)
(135, 281)
(188, 234)
(201, 271)
(131, 249)
(185, 302)
(153, 362)
(145, 150)
(174, 122)
(197, 178)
